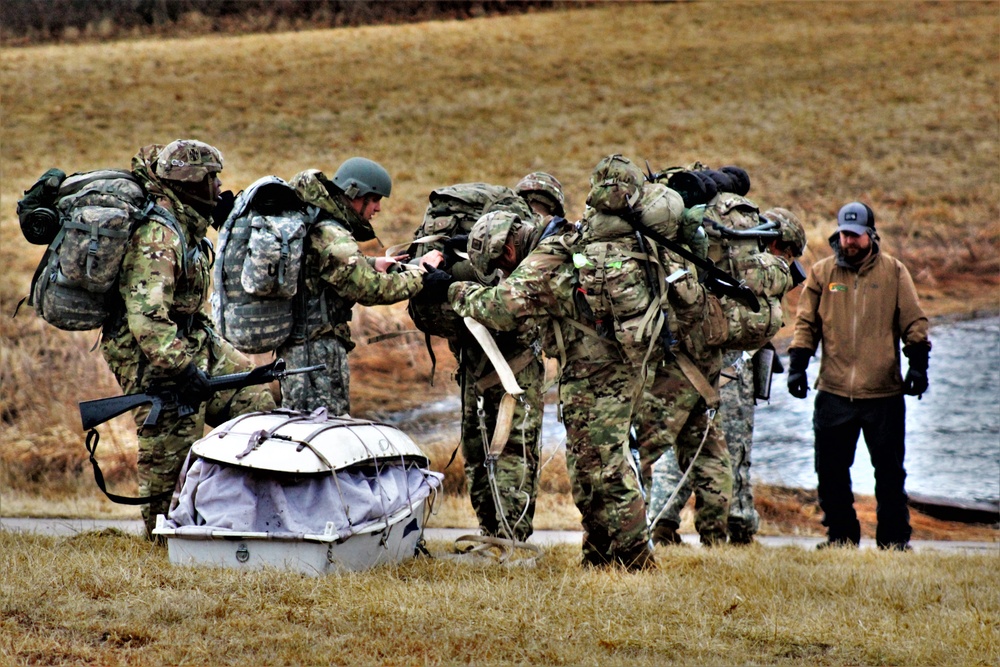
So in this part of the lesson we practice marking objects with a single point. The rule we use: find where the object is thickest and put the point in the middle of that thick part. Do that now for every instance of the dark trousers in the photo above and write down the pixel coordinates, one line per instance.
(837, 422)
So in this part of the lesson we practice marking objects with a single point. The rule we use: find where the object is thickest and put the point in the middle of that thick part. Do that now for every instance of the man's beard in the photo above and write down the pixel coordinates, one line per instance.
(856, 255)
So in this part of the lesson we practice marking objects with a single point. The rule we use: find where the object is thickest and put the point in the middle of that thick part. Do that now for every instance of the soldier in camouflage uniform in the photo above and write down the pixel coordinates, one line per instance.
(502, 243)
(735, 417)
(677, 412)
(161, 332)
(338, 275)
(496, 245)
(596, 386)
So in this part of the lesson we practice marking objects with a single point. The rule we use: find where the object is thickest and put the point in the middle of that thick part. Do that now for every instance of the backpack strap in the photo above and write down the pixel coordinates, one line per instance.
(698, 380)
(157, 213)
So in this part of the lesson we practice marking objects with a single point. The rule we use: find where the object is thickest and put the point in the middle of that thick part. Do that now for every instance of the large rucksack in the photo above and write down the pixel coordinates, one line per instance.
(452, 211)
(729, 324)
(86, 219)
(621, 277)
(259, 267)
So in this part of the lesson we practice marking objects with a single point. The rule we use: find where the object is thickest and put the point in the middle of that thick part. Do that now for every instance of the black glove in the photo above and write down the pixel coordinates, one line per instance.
(192, 384)
(457, 242)
(798, 362)
(915, 383)
(436, 284)
(223, 207)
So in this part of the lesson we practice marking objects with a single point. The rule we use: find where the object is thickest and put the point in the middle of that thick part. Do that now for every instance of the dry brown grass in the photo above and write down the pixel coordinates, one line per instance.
(110, 599)
(822, 103)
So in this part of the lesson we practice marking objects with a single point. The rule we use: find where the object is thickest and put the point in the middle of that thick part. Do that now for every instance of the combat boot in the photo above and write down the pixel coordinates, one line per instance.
(740, 534)
(840, 542)
(665, 533)
(638, 559)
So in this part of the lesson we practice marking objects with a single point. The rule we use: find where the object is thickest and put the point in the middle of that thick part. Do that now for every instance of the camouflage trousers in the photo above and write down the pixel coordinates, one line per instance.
(330, 388)
(164, 447)
(596, 411)
(674, 416)
(515, 472)
(735, 417)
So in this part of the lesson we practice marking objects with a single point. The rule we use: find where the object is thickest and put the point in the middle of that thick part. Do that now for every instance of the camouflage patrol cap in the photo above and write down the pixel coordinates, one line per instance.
(540, 182)
(188, 161)
(615, 185)
(310, 185)
(487, 239)
(792, 232)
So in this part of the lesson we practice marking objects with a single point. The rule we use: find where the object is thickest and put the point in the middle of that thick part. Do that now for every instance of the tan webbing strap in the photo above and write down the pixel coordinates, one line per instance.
(560, 344)
(590, 331)
(517, 364)
(505, 414)
(485, 340)
(698, 380)
(394, 250)
(505, 419)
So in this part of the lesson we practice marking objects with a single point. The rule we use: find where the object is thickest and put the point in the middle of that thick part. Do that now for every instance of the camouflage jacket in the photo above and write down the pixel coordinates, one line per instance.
(541, 287)
(163, 284)
(340, 275)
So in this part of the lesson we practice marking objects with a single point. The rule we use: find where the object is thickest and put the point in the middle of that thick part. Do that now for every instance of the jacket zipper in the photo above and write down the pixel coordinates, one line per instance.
(854, 335)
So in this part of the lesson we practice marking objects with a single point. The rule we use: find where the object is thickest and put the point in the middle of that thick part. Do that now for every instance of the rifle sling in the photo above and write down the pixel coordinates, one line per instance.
(93, 437)
(677, 248)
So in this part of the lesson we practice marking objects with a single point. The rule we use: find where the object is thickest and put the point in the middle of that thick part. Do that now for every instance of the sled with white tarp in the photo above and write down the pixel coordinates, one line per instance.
(300, 491)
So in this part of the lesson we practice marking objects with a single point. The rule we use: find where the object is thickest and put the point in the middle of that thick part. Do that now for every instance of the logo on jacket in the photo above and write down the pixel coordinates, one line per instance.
(837, 287)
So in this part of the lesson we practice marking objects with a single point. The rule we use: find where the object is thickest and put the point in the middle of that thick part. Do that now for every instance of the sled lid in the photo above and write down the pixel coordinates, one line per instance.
(305, 443)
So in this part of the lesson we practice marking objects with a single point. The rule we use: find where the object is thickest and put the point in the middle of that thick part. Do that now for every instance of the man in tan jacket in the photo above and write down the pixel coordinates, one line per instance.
(860, 303)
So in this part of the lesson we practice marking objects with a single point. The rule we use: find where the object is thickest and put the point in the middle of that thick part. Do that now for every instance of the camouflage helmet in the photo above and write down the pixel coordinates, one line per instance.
(792, 232)
(615, 185)
(487, 239)
(359, 177)
(546, 185)
(188, 161)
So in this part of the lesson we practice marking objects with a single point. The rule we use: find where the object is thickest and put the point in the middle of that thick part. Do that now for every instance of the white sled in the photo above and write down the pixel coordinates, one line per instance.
(299, 491)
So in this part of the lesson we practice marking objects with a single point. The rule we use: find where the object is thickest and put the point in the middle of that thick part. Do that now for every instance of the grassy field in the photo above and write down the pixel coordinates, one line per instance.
(894, 104)
(110, 599)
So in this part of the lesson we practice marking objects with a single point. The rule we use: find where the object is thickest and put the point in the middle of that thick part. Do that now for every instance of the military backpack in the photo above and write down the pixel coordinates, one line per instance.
(86, 220)
(737, 248)
(453, 211)
(258, 275)
(620, 275)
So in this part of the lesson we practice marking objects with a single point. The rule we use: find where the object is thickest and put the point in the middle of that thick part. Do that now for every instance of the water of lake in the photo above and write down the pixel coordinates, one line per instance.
(953, 432)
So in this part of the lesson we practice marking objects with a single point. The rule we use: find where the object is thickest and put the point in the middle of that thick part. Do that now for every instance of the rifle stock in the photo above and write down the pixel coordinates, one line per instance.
(101, 410)
(98, 411)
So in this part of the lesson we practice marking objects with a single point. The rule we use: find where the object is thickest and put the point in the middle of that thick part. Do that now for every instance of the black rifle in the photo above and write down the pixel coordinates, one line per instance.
(767, 230)
(763, 232)
(721, 281)
(101, 410)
